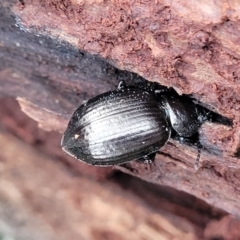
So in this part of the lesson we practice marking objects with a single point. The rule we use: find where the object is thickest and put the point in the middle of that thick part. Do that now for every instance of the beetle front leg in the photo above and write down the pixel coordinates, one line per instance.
(121, 85)
(194, 141)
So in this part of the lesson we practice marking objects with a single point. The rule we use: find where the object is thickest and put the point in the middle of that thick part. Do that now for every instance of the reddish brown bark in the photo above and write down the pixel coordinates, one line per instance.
(195, 51)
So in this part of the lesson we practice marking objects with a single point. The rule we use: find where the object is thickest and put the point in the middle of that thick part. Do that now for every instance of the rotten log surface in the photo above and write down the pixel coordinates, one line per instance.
(53, 204)
(196, 53)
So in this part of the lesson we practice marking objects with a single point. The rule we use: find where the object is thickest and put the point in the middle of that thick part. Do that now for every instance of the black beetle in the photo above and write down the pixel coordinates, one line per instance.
(130, 123)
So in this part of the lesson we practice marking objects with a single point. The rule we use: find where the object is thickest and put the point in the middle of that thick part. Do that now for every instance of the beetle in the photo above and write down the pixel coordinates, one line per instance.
(131, 123)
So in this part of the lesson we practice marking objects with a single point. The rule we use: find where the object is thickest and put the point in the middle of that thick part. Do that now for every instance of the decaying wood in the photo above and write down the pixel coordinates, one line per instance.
(196, 52)
(55, 205)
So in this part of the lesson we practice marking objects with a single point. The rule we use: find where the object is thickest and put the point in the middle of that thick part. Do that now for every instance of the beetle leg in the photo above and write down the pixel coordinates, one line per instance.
(147, 159)
(200, 147)
(192, 141)
(121, 85)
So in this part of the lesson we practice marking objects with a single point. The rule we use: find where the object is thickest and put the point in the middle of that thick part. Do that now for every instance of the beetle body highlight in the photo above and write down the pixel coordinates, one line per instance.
(117, 127)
